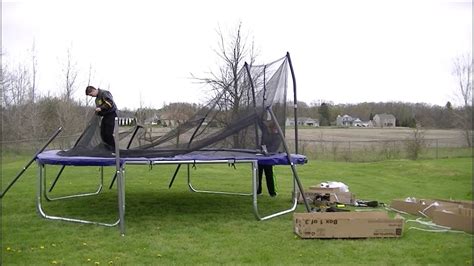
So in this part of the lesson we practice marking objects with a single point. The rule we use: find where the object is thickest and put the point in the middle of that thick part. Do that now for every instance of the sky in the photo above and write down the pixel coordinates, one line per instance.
(145, 52)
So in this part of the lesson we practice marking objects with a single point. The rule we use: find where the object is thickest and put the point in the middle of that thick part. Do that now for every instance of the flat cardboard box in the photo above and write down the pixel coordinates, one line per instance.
(456, 218)
(335, 195)
(422, 207)
(469, 204)
(346, 225)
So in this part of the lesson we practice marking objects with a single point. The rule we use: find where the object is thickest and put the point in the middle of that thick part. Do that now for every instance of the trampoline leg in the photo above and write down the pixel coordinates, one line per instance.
(98, 190)
(255, 197)
(41, 191)
(121, 199)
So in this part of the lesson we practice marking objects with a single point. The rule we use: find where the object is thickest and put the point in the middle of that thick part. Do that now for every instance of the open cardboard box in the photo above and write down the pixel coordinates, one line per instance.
(335, 195)
(346, 225)
(459, 218)
(455, 214)
(422, 207)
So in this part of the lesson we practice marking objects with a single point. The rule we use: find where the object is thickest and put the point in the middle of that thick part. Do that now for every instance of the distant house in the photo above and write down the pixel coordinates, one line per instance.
(344, 121)
(357, 123)
(308, 121)
(369, 123)
(289, 122)
(302, 121)
(384, 120)
(349, 121)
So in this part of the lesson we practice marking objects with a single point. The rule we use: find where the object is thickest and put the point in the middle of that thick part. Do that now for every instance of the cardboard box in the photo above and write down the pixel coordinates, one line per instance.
(464, 203)
(346, 225)
(335, 195)
(459, 218)
(422, 207)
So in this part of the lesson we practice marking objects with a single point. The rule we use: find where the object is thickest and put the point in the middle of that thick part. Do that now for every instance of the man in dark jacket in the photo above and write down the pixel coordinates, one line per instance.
(105, 107)
(270, 144)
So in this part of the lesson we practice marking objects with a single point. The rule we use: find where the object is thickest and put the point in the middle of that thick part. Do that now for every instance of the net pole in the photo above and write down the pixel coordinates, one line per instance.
(254, 103)
(288, 155)
(56, 133)
(295, 101)
(120, 179)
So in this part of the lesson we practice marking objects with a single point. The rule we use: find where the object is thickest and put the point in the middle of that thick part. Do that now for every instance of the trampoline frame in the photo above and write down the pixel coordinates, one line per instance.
(42, 192)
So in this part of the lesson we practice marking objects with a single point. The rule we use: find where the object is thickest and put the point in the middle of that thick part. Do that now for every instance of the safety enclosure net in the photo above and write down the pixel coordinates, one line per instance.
(247, 114)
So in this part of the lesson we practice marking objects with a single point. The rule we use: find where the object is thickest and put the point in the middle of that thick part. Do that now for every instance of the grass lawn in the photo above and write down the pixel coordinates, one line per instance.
(175, 226)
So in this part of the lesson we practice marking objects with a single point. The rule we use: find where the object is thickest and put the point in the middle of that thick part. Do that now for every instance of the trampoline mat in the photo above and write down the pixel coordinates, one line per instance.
(52, 157)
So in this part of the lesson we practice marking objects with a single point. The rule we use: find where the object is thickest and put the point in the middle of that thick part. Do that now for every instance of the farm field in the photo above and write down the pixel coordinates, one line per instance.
(451, 137)
(446, 137)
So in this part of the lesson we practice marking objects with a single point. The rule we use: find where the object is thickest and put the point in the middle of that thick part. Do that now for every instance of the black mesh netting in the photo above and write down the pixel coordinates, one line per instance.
(236, 119)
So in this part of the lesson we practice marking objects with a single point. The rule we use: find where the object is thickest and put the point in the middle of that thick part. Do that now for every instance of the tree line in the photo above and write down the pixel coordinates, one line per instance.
(26, 114)
(407, 114)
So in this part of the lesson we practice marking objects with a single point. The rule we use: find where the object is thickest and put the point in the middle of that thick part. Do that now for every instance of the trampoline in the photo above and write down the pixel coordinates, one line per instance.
(244, 123)
(51, 157)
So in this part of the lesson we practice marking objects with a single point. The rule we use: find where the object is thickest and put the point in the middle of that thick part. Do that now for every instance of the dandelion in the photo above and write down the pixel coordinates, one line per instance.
(9, 248)
(41, 247)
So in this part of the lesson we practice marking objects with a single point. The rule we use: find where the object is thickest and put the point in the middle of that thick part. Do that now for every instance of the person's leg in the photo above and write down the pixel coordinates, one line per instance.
(107, 130)
(269, 178)
(260, 174)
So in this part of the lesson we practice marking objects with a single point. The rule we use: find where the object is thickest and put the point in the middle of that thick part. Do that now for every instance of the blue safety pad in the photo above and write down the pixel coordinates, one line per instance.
(52, 157)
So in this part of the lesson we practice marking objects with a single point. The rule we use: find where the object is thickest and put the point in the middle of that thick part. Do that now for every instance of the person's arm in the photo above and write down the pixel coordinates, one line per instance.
(107, 105)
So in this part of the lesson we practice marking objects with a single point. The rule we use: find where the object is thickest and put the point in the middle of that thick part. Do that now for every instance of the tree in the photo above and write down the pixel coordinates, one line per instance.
(324, 115)
(70, 74)
(462, 71)
(233, 51)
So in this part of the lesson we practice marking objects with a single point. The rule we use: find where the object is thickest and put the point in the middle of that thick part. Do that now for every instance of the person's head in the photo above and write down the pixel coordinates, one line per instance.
(92, 91)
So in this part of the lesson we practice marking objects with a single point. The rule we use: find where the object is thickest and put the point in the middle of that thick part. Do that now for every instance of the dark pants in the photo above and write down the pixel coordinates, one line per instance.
(268, 169)
(107, 130)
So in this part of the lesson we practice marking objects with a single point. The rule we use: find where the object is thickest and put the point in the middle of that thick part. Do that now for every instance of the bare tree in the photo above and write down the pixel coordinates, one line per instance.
(70, 74)
(34, 64)
(233, 50)
(68, 116)
(31, 109)
(15, 102)
(415, 144)
(462, 71)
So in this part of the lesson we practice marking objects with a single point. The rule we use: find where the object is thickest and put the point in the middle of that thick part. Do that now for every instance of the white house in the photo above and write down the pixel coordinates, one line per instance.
(384, 120)
(344, 121)
(302, 121)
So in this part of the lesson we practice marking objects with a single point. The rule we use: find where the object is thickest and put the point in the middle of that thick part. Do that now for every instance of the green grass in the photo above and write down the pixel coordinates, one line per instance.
(175, 226)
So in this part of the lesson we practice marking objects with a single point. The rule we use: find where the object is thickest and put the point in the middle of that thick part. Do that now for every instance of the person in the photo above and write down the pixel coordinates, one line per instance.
(106, 108)
(270, 143)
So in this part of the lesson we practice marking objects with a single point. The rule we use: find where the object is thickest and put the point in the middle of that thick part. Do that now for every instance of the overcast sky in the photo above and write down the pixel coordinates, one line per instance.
(342, 51)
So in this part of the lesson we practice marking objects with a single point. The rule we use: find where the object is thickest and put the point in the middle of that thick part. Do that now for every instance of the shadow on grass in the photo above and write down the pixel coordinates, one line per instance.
(181, 205)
